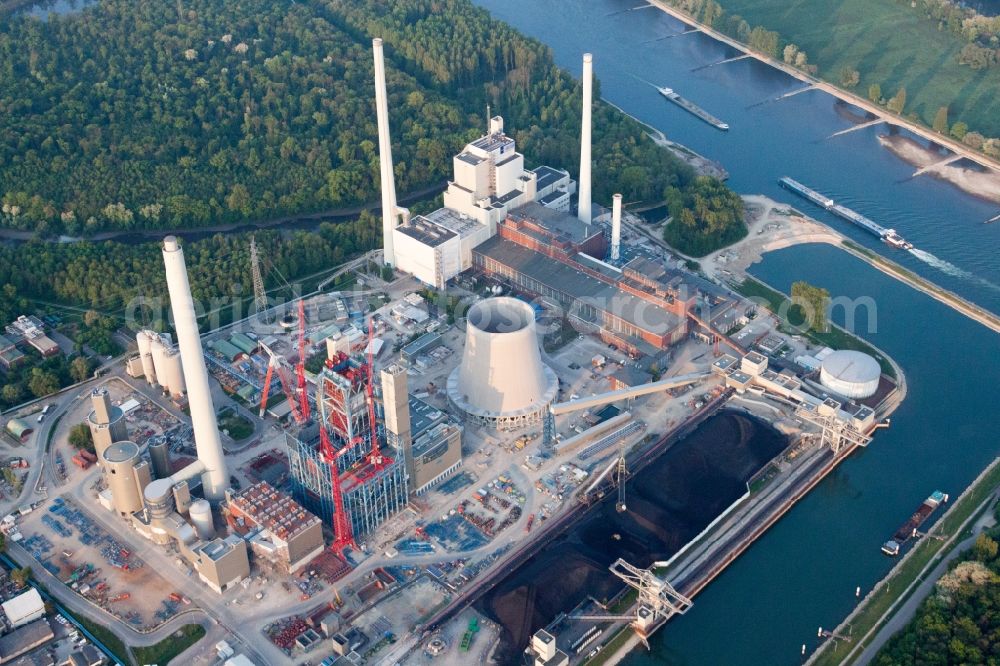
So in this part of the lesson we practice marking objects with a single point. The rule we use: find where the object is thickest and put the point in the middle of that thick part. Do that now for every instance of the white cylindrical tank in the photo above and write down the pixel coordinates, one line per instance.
(144, 339)
(119, 466)
(159, 455)
(208, 442)
(159, 351)
(174, 373)
(201, 519)
(501, 376)
(159, 498)
(850, 373)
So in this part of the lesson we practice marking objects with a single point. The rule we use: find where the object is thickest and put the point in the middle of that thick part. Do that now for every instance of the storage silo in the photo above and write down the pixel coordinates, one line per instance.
(119, 463)
(201, 519)
(159, 455)
(144, 339)
(174, 373)
(106, 422)
(501, 380)
(850, 373)
(159, 352)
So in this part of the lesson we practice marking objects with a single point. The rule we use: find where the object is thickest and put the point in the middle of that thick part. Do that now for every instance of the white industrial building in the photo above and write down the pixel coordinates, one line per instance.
(24, 608)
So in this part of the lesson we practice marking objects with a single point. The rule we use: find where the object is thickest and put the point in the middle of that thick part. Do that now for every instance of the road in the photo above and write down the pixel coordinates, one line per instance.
(902, 617)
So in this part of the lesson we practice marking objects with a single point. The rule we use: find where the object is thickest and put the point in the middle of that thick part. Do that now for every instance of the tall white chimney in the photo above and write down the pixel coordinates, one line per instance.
(583, 208)
(214, 478)
(385, 156)
(616, 227)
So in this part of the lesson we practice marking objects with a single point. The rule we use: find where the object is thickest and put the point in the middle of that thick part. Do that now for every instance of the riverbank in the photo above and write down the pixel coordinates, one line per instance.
(866, 105)
(879, 605)
(982, 184)
(774, 226)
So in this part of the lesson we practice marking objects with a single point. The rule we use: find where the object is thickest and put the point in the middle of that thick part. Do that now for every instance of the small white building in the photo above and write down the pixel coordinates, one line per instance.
(24, 608)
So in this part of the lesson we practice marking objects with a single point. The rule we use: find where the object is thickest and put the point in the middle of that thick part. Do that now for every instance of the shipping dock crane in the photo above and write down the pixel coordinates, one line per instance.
(658, 601)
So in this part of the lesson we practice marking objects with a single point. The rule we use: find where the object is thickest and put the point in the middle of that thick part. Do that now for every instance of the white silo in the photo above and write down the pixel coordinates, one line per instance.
(850, 373)
(208, 442)
(502, 381)
(144, 339)
(174, 373)
(159, 352)
(201, 519)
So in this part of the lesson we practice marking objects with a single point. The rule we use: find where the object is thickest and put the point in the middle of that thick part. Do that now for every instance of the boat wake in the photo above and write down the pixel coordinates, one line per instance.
(951, 269)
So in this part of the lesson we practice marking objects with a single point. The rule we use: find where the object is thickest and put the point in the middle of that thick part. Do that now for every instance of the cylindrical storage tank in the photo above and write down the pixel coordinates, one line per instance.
(106, 434)
(201, 519)
(850, 373)
(182, 498)
(119, 464)
(174, 373)
(159, 497)
(502, 378)
(159, 351)
(145, 341)
(159, 455)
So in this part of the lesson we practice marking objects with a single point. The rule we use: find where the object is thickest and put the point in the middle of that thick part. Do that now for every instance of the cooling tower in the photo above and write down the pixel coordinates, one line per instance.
(502, 380)
(214, 478)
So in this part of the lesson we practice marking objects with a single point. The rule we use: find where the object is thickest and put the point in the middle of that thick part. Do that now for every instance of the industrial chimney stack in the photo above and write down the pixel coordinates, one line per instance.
(583, 207)
(215, 478)
(616, 227)
(385, 156)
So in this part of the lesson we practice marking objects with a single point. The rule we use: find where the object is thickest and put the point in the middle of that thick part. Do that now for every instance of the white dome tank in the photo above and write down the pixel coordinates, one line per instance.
(850, 373)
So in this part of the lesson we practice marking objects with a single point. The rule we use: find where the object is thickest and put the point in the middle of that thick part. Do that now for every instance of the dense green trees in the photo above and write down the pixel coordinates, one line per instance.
(182, 116)
(814, 303)
(960, 622)
(80, 438)
(705, 217)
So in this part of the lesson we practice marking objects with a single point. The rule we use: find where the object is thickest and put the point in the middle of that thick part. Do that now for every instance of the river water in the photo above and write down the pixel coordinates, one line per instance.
(802, 574)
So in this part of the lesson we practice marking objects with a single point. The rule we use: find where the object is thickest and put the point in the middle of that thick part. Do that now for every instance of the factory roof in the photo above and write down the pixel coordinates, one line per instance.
(273, 510)
(451, 219)
(5, 342)
(423, 416)
(548, 176)
(427, 232)
(469, 158)
(25, 638)
(559, 223)
(630, 376)
(226, 349)
(217, 549)
(19, 428)
(579, 285)
(243, 342)
(23, 605)
(551, 197)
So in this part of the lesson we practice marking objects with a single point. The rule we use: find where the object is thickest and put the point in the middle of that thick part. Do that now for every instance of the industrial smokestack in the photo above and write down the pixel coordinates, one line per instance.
(385, 156)
(214, 478)
(583, 208)
(616, 227)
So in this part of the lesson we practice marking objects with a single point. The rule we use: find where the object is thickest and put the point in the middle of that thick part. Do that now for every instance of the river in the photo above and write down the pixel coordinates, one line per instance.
(802, 574)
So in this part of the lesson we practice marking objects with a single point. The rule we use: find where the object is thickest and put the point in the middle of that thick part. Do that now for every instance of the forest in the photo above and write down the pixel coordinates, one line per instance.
(163, 115)
(960, 622)
(705, 217)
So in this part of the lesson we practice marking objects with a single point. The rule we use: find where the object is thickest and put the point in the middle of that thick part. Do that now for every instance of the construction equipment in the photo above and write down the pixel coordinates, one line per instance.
(377, 460)
(279, 364)
(259, 295)
(300, 369)
(343, 535)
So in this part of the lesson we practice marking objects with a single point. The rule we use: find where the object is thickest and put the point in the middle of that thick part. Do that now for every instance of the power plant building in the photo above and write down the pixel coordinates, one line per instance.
(106, 422)
(278, 529)
(435, 452)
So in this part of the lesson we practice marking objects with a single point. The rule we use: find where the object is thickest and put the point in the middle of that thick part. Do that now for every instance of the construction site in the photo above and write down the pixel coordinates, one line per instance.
(397, 472)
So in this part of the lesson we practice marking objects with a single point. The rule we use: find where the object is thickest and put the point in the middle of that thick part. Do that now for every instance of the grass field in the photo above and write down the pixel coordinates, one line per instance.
(164, 651)
(890, 44)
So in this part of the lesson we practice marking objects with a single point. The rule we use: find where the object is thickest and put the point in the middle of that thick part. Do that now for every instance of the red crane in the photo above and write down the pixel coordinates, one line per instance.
(300, 369)
(276, 363)
(343, 535)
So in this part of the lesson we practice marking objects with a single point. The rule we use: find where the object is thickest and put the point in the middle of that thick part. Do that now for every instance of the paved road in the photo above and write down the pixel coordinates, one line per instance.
(902, 617)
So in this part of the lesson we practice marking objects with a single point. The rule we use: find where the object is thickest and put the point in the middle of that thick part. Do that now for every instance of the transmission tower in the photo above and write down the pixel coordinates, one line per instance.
(261, 308)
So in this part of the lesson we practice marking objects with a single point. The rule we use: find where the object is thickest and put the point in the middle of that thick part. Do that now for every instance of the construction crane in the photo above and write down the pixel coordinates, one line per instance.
(375, 458)
(277, 363)
(300, 369)
(343, 534)
(657, 601)
(261, 308)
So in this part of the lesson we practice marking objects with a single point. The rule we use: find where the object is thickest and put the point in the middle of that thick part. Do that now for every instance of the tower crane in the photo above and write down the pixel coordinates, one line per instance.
(343, 534)
(375, 458)
(300, 369)
(279, 365)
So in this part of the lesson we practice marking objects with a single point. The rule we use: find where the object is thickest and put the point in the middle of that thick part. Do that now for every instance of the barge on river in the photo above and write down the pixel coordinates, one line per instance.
(887, 236)
(908, 530)
(693, 108)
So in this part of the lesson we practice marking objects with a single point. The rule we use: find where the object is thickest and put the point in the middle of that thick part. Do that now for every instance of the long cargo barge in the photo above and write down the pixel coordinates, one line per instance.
(909, 529)
(887, 236)
(693, 108)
